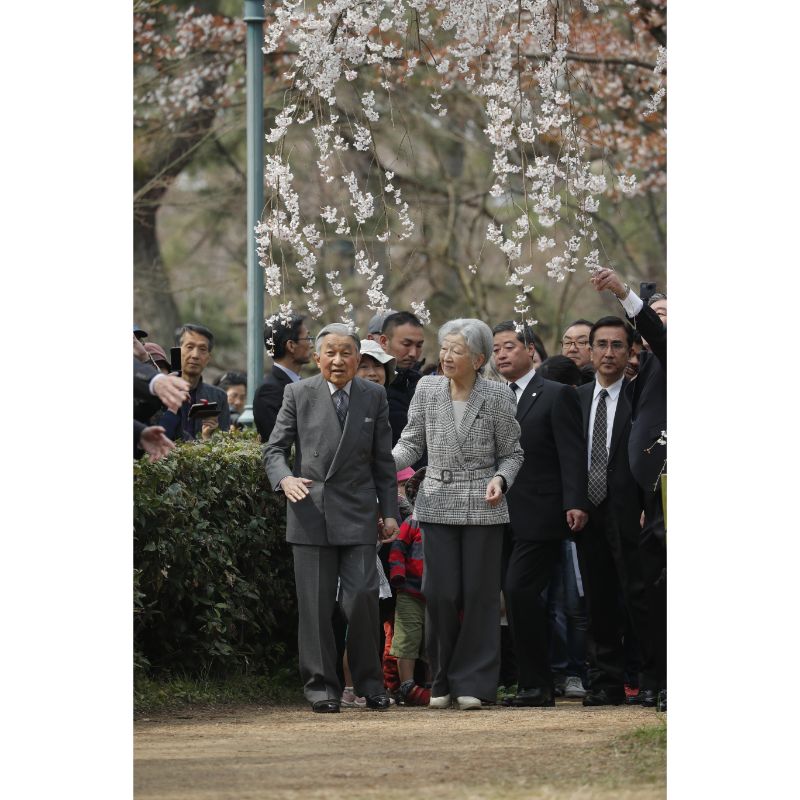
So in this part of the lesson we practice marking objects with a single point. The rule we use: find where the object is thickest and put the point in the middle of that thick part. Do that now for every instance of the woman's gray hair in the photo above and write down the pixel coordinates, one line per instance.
(477, 334)
(336, 329)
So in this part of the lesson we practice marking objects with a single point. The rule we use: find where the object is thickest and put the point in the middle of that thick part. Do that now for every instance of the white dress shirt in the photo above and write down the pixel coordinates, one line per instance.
(522, 383)
(611, 409)
(632, 304)
(334, 388)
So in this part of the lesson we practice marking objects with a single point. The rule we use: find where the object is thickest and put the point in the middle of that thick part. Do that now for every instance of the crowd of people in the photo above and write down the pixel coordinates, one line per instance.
(485, 529)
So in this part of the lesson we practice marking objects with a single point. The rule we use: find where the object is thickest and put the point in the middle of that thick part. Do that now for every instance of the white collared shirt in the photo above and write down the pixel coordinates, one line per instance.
(632, 304)
(293, 375)
(334, 388)
(611, 409)
(522, 383)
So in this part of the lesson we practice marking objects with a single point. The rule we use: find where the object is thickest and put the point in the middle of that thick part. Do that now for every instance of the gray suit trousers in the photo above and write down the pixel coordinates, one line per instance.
(315, 572)
(462, 571)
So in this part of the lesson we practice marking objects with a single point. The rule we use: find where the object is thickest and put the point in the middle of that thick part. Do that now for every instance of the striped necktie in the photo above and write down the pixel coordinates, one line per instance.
(341, 400)
(599, 459)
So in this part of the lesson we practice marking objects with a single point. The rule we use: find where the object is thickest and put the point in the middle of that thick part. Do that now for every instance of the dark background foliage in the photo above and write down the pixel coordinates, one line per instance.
(213, 578)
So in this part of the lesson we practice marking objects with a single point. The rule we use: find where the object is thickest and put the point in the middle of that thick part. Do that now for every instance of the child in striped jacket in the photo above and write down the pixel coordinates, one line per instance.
(405, 575)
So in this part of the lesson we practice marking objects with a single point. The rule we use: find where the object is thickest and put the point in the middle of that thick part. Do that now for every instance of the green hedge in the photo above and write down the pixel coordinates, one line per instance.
(213, 577)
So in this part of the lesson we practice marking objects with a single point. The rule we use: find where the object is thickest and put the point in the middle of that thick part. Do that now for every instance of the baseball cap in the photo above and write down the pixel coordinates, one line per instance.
(376, 323)
(138, 332)
(157, 351)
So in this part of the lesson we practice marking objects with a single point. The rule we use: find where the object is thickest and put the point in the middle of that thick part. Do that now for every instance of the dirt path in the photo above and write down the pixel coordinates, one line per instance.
(289, 753)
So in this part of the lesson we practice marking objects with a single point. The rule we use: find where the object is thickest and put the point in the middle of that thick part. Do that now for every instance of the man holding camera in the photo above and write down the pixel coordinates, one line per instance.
(192, 421)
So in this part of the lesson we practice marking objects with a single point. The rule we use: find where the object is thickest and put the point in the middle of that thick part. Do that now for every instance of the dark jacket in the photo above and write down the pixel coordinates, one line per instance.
(267, 401)
(138, 427)
(179, 426)
(648, 399)
(553, 477)
(399, 393)
(145, 405)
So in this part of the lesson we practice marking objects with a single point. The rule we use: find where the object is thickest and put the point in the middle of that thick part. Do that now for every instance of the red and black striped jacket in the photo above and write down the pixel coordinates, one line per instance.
(405, 559)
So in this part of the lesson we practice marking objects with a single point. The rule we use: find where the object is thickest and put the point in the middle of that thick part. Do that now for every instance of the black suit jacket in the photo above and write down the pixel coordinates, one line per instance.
(267, 401)
(648, 398)
(145, 405)
(138, 427)
(553, 477)
(623, 496)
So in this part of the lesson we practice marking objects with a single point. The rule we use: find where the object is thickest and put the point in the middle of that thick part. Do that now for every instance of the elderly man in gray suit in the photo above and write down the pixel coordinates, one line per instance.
(343, 479)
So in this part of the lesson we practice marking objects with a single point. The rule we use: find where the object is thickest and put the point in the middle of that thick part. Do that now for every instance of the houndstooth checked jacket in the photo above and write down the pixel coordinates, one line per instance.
(461, 461)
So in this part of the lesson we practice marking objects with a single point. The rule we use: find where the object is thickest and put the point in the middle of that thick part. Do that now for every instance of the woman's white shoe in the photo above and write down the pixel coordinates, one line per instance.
(440, 702)
(467, 703)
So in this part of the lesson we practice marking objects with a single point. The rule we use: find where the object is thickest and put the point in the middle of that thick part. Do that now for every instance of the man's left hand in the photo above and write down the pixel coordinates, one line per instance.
(389, 530)
(576, 519)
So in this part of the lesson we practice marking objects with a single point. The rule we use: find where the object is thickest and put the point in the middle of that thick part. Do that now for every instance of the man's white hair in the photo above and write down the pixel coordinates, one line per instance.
(336, 329)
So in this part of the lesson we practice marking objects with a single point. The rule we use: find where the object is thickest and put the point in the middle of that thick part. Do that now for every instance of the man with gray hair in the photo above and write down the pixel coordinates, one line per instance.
(343, 480)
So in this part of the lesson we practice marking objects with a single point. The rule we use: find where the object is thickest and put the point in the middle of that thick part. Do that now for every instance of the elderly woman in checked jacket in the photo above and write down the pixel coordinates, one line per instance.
(469, 428)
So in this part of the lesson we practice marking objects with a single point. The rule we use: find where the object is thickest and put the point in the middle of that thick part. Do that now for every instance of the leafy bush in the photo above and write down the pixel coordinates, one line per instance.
(213, 575)
(172, 693)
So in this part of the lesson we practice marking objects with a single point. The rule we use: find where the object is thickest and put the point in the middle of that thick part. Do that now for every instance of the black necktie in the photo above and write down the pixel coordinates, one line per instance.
(599, 460)
(341, 400)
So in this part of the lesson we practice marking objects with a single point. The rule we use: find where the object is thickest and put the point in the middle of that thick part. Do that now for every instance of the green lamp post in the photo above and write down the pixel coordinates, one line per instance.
(254, 17)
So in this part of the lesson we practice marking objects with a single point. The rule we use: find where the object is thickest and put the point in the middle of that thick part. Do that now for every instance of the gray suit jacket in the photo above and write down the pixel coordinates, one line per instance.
(462, 460)
(352, 470)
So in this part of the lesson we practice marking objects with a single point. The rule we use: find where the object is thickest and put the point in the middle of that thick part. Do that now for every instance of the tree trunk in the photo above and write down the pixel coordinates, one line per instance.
(159, 160)
(154, 307)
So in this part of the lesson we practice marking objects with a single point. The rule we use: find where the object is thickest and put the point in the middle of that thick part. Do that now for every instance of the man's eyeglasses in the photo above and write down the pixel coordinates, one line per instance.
(304, 339)
(616, 345)
(567, 343)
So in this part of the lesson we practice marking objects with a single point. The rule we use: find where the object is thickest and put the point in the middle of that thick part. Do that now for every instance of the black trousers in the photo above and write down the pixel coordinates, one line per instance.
(530, 567)
(462, 608)
(653, 553)
(610, 564)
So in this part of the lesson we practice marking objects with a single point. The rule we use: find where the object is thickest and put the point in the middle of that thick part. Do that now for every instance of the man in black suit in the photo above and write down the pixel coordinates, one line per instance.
(608, 549)
(402, 337)
(291, 351)
(648, 457)
(547, 504)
